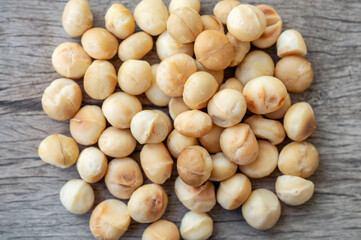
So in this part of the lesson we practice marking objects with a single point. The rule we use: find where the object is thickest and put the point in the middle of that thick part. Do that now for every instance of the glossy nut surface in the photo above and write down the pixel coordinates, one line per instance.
(160, 230)
(280, 113)
(167, 46)
(210, 141)
(175, 4)
(77, 196)
(119, 21)
(99, 43)
(232, 83)
(176, 106)
(211, 23)
(291, 42)
(92, 164)
(196, 226)
(193, 123)
(240, 49)
(223, 8)
(77, 17)
(177, 142)
(222, 167)
(116, 142)
(154, 94)
(135, 46)
(135, 76)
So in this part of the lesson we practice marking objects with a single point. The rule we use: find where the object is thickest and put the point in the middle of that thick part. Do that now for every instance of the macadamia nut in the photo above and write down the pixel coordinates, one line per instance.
(193, 123)
(176, 106)
(135, 46)
(280, 113)
(240, 49)
(161, 230)
(232, 83)
(177, 142)
(291, 42)
(154, 94)
(99, 43)
(135, 76)
(119, 21)
(223, 8)
(222, 167)
(210, 141)
(218, 75)
(77, 17)
(175, 4)
(116, 142)
(92, 165)
(211, 23)
(196, 226)
(167, 46)
(77, 196)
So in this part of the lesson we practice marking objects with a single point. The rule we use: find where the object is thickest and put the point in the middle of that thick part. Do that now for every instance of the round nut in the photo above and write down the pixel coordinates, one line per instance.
(176, 143)
(160, 230)
(240, 49)
(176, 106)
(99, 43)
(210, 141)
(119, 21)
(196, 226)
(175, 4)
(223, 8)
(280, 113)
(77, 196)
(222, 167)
(116, 142)
(291, 42)
(167, 46)
(218, 75)
(232, 83)
(92, 165)
(154, 94)
(211, 23)
(77, 17)
(135, 46)
(135, 76)
(193, 123)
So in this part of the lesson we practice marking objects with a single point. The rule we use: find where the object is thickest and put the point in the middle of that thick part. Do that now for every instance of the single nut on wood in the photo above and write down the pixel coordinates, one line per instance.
(77, 196)
(176, 106)
(154, 94)
(298, 159)
(232, 83)
(167, 46)
(218, 75)
(135, 77)
(223, 8)
(222, 168)
(291, 42)
(160, 230)
(211, 23)
(135, 46)
(99, 43)
(193, 123)
(177, 142)
(119, 21)
(175, 4)
(210, 141)
(77, 17)
(196, 226)
(240, 49)
(109, 220)
(92, 165)
(115, 142)
(280, 113)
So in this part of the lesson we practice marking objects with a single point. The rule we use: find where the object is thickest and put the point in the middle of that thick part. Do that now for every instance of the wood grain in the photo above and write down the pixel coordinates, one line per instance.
(29, 188)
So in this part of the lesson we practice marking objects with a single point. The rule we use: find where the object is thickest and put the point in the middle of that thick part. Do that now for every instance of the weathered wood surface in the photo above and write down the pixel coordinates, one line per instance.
(29, 202)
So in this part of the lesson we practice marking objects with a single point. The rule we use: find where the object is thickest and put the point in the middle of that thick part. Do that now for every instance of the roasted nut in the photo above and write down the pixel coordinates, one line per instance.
(280, 113)
(210, 141)
(271, 130)
(227, 107)
(196, 226)
(240, 49)
(99, 43)
(151, 16)
(161, 230)
(211, 23)
(232, 83)
(92, 165)
(167, 46)
(291, 42)
(154, 94)
(109, 220)
(193, 123)
(87, 125)
(77, 17)
(222, 167)
(116, 142)
(198, 89)
(213, 50)
(156, 162)
(218, 75)
(173, 72)
(119, 21)
(70, 60)
(295, 72)
(234, 191)
(239, 144)
(262, 209)
(123, 177)
(148, 203)
(167, 119)
(223, 8)
(176, 106)
(176, 143)
(135, 77)
(135, 47)
(264, 94)
(77, 196)
(184, 24)
(175, 4)
(246, 22)
(299, 121)
(58, 150)
(298, 159)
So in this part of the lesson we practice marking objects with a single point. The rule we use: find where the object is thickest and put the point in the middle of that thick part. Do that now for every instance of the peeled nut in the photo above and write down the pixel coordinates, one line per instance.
(232, 83)
(223, 8)
(116, 142)
(59, 150)
(135, 76)
(196, 226)
(239, 144)
(161, 230)
(92, 165)
(70, 60)
(99, 43)
(299, 121)
(298, 159)
(291, 42)
(211, 23)
(175, 4)
(264, 94)
(77, 196)
(210, 141)
(119, 21)
(109, 220)
(222, 168)
(154, 94)
(262, 209)
(167, 119)
(240, 49)
(194, 165)
(193, 123)
(218, 75)
(148, 203)
(280, 113)
(167, 46)
(234, 191)
(156, 162)
(197, 199)
(77, 17)
(135, 47)
(123, 177)
(87, 125)
(176, 143)
(176, 106)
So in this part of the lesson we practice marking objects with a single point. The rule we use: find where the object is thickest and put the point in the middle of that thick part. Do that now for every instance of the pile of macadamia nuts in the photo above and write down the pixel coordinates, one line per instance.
(222, 133)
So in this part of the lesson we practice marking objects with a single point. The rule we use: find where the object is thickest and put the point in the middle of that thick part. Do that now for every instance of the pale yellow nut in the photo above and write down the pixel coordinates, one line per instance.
(77, 17)
(223, 8)
(99, 43)
(291, 42)
(240, 49)
(161, 230)
(196, 226)
(77, 196)
(218, 75)
(211, 23)
(135, 76)
(135, 46)
(177, 142)
(232, 83)
(119, 21)
(176, 106)
(154, 94)
(167, 46)
(193, 123)
(92, 164)
(280, 113)
(175, 4)
(210, 141)
(222, 167)
(116, 142)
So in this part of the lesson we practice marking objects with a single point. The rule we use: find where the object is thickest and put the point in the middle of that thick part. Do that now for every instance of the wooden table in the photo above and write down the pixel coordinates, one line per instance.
(29, 188)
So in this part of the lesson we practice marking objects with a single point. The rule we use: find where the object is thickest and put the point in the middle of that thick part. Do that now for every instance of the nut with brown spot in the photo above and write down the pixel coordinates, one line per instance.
(280, 113)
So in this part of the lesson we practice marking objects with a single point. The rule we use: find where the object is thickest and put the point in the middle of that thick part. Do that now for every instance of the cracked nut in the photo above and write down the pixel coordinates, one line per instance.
(77, 196)
(119, 21)
(211, 23)
(280, 113)
(291, 42)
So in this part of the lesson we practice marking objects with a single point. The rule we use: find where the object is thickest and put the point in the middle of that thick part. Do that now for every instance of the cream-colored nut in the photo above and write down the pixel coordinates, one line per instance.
(161, 230)
(227, 107)
(222, 167)
(58, 150)
(119, 21)
(240, 49)
(184, 25)
(148, 203)
(223, 8)
(265, 163)
(167, 119)
(273, 27)
(173, 72)
(109, 220)
(213, 50)
(196, 226)
(135, 46)
(151, 16)
(77, 196)
(135, 76)
(193, 123)
(298, 159)
(265, 94)
(232, 192)
(239, 144)
(150, 126)
(280, 113)
(198, 89)
(116, 142)
(123, 177)
(177, 142)
(87, 125)
(210, 141)
(154, 94)
(211, 23)
(175, 4)
(256, 64)
(294, 190)
(196, 199)
(246, 22)
(194, 165)
(218, 75)
(291, 42)
(232, 83)
(156, 162)
(176, 106)
(99, 43)
(271, 130)
(262, 209)
(120, 108)
(295, 72)
(61, 99)
(299, 121)
(70, 60)
(92, 165)
(77, 17)
(167, 46)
